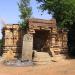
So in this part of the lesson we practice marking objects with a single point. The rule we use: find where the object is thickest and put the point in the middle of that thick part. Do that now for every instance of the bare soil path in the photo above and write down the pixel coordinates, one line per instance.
(63, 67)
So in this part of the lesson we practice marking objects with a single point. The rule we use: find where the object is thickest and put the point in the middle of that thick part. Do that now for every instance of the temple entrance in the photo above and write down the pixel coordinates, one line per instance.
(41, 40)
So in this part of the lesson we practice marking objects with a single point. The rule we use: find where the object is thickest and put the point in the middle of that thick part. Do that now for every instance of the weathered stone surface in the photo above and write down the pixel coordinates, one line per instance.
(9, 55)
(27, 47)
(13, 37)
(41, 58)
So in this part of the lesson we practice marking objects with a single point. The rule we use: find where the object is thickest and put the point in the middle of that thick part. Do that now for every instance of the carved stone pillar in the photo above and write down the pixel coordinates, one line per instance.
(52, 46)
(53, 42)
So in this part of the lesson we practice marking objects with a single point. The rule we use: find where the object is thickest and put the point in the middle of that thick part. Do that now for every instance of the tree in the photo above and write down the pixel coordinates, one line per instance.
(62, 10)
(25, 10)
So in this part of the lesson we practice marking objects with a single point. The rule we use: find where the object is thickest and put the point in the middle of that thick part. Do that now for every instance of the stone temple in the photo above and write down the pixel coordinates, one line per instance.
(40, 36)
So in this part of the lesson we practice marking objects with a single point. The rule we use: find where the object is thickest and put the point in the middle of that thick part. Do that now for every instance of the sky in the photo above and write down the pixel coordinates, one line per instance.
(9, 12)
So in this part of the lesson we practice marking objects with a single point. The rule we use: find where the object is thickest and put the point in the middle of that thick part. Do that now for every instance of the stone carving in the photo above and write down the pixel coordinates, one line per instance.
(53, 41)
(27, 37)
(27, 47)
(9, 55)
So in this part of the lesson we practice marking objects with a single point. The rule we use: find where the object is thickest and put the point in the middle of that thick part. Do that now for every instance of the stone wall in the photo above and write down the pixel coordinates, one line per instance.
(13, 37)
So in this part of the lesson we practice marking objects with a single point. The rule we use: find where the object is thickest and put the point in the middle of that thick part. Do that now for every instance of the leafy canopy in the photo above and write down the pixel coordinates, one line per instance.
(25, 10)
(62, 10)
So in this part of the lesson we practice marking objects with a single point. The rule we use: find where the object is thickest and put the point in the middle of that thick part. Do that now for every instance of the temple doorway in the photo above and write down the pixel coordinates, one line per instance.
(41, 40)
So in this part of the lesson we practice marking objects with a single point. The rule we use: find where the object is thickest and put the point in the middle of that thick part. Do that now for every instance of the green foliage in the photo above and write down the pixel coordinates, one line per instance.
(25, 10)
(62, 10)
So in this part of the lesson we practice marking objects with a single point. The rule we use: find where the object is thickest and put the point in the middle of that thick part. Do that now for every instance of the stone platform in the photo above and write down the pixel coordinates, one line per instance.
(42, 58)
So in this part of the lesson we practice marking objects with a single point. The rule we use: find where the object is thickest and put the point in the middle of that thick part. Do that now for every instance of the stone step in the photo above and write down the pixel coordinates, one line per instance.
(42, 57)
(42, 54)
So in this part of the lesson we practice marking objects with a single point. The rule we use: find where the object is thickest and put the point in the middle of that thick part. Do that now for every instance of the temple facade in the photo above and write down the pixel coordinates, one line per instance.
(41, 36)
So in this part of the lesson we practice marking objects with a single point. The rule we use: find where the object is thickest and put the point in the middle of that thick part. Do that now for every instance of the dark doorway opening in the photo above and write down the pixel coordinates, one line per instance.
(39, 40)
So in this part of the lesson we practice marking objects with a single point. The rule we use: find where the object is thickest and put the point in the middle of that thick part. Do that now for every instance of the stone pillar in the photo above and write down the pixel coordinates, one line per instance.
(54, 32)
(52, 46)
(64, 42)
(27, 47)
(53, 41)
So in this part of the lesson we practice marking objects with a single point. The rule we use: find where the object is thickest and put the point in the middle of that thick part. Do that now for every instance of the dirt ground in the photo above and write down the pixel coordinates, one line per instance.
(63, 67)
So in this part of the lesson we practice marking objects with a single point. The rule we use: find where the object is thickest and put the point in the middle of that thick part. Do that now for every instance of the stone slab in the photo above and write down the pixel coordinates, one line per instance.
(27, 47)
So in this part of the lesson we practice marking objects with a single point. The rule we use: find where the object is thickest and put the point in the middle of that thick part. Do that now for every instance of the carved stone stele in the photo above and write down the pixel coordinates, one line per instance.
(27, 47)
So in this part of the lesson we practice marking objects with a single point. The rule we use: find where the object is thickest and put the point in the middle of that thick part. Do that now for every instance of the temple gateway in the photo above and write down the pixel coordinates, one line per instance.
(40, 36)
